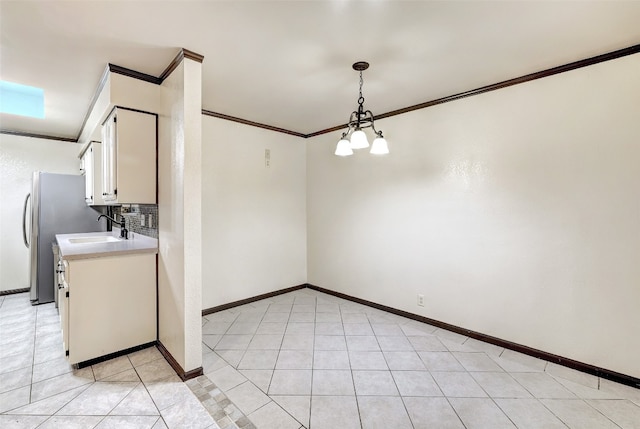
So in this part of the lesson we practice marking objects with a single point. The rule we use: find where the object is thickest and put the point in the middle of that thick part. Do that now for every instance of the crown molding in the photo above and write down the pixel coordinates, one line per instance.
(185, 53)
(113, 68)
(38, 136)
(504, 84)
(251, 123)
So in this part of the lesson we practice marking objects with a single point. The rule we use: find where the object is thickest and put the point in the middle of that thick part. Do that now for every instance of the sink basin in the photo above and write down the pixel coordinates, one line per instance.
(101, 239)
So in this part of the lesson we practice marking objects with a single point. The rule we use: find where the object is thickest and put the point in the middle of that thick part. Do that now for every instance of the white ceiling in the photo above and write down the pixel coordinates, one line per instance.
(288, 63)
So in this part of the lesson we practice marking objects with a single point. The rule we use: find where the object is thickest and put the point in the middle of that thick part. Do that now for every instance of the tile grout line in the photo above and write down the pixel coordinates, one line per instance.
(223, 396)
(597, 410)
(33, 357)
(135, 369)
(277, 357)
(276, 364)
(313, 356)
(479, 385)
(391, 372)
(355, 392)
(252, 336)
(435, 381)
(552, 413)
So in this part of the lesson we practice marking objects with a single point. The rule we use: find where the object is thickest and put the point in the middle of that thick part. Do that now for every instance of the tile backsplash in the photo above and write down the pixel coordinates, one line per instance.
(140, 218)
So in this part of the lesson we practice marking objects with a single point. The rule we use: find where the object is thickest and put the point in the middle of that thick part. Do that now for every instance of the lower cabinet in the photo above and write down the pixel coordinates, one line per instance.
(107, 305)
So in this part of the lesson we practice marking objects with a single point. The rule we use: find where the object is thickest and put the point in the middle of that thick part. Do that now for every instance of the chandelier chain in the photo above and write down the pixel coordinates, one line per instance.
(361, 98)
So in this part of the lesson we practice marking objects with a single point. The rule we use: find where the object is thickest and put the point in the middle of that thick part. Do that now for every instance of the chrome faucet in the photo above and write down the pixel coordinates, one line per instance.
(124, 233)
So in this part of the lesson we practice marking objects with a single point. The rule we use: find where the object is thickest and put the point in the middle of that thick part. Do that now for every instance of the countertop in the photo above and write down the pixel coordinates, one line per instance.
(137, 243)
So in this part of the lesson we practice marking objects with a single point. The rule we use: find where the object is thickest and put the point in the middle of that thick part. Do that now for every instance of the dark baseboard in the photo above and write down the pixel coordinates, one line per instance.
(13, 291)
(184, 375)
(252, 299)
(114, 355)
(550, 357)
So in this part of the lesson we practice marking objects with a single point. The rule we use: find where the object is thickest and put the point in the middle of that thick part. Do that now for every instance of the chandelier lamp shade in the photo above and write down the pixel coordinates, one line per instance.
(355, 137)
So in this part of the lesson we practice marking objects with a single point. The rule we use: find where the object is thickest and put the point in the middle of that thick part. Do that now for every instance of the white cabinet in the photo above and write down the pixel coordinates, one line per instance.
(63, 301)
(129, 157)
(91, 167)
(107, 304)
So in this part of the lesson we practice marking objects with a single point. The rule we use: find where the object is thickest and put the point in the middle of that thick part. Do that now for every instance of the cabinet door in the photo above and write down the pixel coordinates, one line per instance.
(92, 159)
(113, 158)
(105, 158)
(111, 305)
(88, 175)
(63, 307)
(129, 157)
(109, 158)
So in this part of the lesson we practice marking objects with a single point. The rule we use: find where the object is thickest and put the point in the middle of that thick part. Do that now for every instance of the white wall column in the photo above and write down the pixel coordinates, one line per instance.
(179, 212)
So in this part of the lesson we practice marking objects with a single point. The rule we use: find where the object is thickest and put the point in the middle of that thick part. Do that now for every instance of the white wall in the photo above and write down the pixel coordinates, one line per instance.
(179, 195)
(514, 212)
(19, 158)
(253, 217)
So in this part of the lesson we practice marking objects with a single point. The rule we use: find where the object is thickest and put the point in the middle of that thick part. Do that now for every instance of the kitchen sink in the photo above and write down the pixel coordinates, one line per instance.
(102, 239)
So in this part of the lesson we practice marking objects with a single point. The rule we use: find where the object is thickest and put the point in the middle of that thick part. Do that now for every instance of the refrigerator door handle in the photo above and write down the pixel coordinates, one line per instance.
(24, 220)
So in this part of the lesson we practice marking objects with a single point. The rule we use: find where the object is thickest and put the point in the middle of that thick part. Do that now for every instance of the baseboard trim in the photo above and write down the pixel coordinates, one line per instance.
(530, 351)
(252, 299)
(13, 291)
(110, 356)
(184, 375)
(550, 357)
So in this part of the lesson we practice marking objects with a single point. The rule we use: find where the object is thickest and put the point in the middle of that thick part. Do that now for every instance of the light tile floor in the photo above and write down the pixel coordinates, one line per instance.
(300, 360)
(311, 360)
(38, 388)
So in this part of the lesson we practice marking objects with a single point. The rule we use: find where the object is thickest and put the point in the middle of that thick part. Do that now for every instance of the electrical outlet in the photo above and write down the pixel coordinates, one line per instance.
(421, 300)
(267, 157)
(150, 223)
(142, 220)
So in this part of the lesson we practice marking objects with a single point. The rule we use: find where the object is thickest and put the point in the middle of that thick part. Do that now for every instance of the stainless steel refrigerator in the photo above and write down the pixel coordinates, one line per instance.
(55, 206)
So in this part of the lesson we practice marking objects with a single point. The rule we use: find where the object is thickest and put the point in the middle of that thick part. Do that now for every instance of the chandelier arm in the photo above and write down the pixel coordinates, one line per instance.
(378, 133)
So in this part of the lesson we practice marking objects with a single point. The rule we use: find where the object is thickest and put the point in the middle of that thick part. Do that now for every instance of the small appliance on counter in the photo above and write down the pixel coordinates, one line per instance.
(56, 206)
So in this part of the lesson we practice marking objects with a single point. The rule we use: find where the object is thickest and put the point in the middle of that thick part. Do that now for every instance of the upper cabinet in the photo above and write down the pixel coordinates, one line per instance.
(91, 168)
(129, 157)
(118, 90)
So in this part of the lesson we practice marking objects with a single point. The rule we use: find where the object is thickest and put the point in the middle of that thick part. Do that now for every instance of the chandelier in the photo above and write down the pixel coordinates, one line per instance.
(354, 137)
